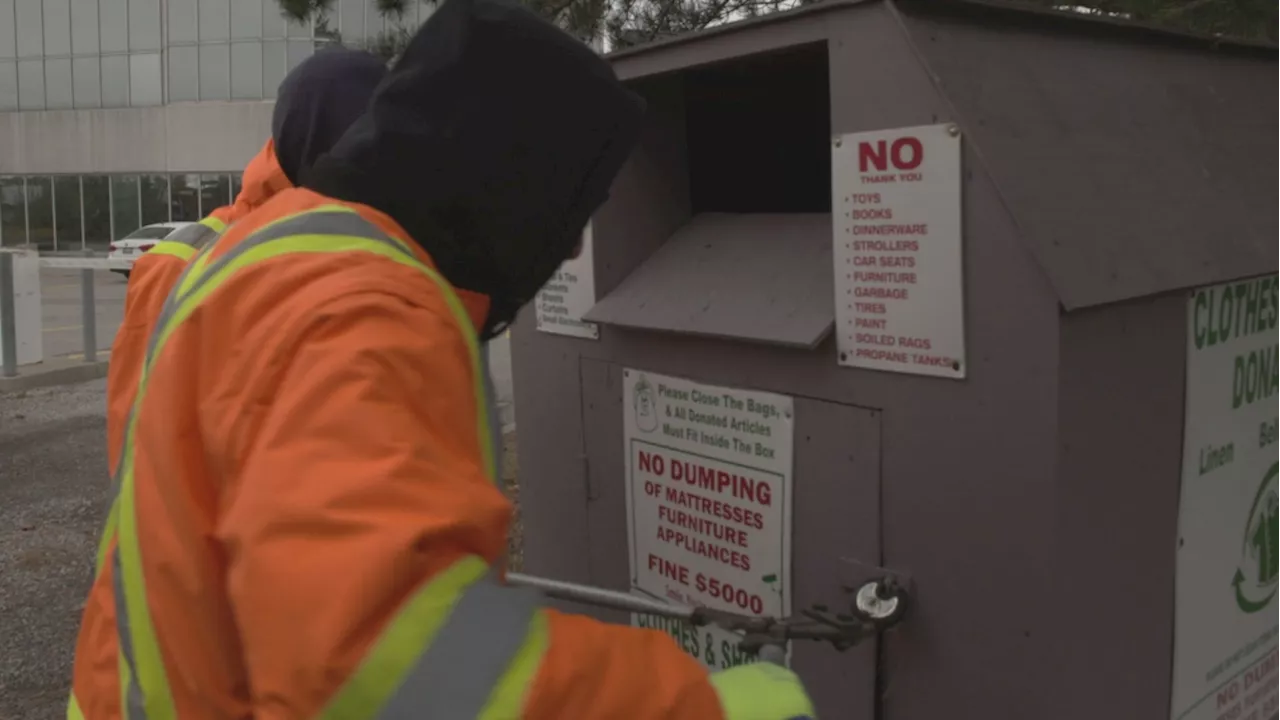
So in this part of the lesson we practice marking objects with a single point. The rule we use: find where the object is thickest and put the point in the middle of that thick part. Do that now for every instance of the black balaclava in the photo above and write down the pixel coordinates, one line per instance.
(318, 101)
(491, 141)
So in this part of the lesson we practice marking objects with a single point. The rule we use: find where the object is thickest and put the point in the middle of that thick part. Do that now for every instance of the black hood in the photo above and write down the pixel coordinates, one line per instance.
(492, 141)
(318, 101)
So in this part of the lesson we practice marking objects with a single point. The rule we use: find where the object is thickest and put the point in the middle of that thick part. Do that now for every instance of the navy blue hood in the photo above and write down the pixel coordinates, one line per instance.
(492, 141)
(318, 101)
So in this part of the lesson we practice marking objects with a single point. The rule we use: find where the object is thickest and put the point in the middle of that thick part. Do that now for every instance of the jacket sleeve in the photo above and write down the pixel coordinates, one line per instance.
(360, 526)
(150, 280)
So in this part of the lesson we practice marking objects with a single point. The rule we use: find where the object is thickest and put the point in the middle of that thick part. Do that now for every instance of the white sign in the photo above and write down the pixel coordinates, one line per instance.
(1225, 610)
(708, 504)
(569, 294)
(898, 262)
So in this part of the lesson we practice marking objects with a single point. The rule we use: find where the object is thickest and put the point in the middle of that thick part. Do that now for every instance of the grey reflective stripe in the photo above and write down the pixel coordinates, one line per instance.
(195, 235)
(454, 678)
(136, 708)
(329, 222)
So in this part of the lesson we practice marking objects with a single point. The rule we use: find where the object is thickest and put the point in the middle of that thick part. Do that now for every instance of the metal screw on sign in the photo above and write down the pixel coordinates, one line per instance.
(838, 142)
(953, 130)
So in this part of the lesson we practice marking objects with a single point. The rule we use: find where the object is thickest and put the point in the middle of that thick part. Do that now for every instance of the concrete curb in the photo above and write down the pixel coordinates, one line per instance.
(60, 375)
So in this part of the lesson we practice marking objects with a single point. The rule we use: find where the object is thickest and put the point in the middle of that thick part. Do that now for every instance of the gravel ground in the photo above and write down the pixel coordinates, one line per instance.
(53, 496)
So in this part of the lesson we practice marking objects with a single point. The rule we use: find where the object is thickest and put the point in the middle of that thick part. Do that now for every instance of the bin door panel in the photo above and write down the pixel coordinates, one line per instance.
(836, 541)
(606, 479)
(835, 521)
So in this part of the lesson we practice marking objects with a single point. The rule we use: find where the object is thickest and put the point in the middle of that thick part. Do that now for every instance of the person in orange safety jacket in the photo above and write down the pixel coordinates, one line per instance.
(307, 523)
(154, 274)
(316, 103)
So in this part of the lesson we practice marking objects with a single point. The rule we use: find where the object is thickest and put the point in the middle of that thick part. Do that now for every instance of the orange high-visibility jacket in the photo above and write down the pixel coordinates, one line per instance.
(154, 274)
(308, 524)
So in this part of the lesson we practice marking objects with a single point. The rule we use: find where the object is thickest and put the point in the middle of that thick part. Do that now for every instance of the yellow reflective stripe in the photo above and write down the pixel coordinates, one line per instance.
(214, 224)
(73, 708)
(201, 265)
(176, 249)
(108, 532)
(508, 698)
(387, 663)
(149, 665)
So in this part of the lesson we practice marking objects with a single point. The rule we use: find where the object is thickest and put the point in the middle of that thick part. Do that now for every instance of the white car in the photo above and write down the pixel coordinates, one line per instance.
(131, 246)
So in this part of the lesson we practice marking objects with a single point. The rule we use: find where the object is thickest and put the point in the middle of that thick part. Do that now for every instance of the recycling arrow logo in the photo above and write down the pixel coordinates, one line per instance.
(1256, 575)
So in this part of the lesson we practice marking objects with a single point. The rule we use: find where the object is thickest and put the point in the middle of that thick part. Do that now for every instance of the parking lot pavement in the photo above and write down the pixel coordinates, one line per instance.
(62, 328)
(53, 498)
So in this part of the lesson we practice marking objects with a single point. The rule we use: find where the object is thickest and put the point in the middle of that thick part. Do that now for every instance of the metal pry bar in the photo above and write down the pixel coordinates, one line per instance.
(600, 597)
(879, 605)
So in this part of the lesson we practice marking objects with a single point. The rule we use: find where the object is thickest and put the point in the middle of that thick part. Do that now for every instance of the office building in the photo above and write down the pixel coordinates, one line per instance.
(121, 113)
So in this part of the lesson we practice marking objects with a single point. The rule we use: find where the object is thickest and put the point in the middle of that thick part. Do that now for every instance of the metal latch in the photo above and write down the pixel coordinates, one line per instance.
(877, 605)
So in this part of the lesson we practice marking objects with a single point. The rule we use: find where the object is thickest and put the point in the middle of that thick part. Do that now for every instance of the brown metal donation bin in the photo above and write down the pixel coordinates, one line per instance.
(978, 296)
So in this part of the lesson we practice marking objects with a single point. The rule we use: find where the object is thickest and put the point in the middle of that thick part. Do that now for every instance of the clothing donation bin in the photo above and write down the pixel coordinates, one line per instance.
(978, 296)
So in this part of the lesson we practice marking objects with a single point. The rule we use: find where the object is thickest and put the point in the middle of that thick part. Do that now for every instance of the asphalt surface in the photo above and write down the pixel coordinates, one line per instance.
(53, 497)
(62, 313)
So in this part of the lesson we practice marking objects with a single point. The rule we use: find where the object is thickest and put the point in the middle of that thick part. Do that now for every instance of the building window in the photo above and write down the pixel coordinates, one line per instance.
(351, 20)
(215, 191)
(273, 66)
(57, 83)
(96, 200)
(56, 16)
(113, 22)
(68, 232)
(155, 199)
(31, 84)
(86, 81)
(126, 205)
(115, 81)
(272, 20)
(246, 19)
(214, 18)
(237, 184)
(8, 39)
(30, 31)
(186, 197)
(13, 212)
(8, 85)
(84, 27)
(215, 69)
(184, 73)
(144, 80)
(40, 231)
(246, 71)
(182, 21)
(144, 26)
